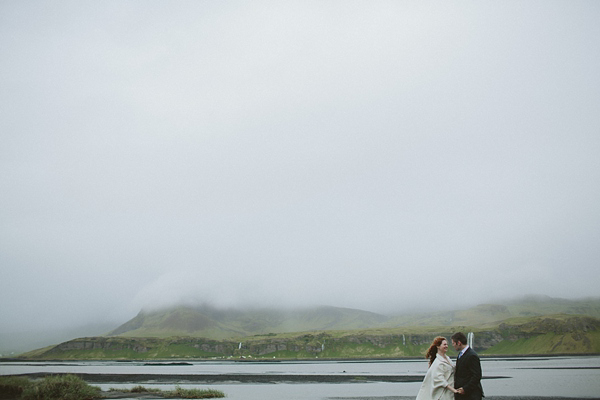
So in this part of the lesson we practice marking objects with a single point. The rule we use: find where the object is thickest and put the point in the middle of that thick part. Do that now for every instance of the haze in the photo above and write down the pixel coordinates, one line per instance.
(385, 156)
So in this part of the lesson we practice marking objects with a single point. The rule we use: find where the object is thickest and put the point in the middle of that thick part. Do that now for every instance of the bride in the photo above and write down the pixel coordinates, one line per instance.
(439, 380)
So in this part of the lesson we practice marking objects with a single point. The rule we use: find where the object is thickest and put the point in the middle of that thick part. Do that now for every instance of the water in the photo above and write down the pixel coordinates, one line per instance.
(551, 377)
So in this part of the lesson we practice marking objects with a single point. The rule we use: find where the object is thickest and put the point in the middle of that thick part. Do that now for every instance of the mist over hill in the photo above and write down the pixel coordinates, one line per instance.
(13, 343)
(224, 323)
(557, 334)
(220, 323)
(215, 323)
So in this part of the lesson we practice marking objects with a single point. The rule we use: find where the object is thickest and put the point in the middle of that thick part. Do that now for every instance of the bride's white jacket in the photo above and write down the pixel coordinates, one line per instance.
(439, 375)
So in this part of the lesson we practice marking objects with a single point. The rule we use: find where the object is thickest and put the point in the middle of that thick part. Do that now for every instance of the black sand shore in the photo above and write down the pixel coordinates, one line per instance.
(238, 378)
(140, 379)
(232, 378)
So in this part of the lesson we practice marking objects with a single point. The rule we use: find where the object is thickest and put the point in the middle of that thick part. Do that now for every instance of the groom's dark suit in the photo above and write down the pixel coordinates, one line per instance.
(468, 376)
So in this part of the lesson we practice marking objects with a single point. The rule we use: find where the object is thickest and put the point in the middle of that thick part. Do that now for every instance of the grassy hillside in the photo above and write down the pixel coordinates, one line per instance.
(557, 334)
(234, 325)
(222, 324)
(549, 343)
(216, 323)
(554, 334)
(529, 306)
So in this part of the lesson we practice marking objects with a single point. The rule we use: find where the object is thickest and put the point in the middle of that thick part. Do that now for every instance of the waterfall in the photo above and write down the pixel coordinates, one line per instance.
(240, 346)
(403, 340)
(470, 339)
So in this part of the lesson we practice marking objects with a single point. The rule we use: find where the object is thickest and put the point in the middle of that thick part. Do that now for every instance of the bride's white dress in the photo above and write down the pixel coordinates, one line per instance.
(439, 375)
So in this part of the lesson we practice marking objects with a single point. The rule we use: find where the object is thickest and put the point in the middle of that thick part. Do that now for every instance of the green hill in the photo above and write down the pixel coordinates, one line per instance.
(210, 322)
(215, 323)
(528, 306)
(545, 335)
(532, 325)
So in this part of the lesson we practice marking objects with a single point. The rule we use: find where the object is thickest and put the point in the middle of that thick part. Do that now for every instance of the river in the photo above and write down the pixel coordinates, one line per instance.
(574, 377)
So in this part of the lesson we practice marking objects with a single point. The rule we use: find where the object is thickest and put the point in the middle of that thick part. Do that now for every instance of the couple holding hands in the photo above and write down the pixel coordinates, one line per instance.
(443, 380)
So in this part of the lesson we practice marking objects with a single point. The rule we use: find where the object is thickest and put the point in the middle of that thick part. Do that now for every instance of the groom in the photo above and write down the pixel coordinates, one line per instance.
(467, 378)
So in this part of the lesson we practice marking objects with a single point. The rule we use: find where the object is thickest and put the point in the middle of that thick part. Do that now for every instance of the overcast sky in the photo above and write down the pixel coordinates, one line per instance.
(374, 155)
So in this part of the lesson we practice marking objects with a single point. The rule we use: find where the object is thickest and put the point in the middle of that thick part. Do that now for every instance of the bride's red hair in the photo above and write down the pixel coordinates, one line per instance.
(433, 349)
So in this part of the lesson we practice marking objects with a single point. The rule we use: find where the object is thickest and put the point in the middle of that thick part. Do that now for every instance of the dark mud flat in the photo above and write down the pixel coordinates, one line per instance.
(238, 378)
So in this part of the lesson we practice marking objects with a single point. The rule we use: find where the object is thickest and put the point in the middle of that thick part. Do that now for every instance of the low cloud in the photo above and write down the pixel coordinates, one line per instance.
(387, 157)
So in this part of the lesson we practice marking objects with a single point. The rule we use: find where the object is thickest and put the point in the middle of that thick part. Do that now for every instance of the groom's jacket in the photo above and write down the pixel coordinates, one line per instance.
(468, 375)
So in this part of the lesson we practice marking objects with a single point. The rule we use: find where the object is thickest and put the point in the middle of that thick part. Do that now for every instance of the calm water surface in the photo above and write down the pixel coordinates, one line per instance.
(552, 376)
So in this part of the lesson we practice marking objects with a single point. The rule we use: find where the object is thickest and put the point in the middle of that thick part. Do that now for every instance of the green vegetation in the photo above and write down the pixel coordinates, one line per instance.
(197, 393)
(11, 387)
(520, 328)
(136, 389)
(178, 392)
(223, 324)
(549, 343)
(63, 387)
(530, 306)
(557, 334)
(71, 387)
(208, 322)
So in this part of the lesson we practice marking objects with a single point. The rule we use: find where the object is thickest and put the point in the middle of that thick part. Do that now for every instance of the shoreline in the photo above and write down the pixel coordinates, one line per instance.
(179, 361)
(231, 378)
(235, 378)
(177, 379)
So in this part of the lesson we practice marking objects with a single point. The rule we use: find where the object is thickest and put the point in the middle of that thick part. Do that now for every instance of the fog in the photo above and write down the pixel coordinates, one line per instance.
(386, 156)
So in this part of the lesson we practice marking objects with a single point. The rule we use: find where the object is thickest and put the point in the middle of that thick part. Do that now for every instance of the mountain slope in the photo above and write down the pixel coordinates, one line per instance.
(215, 323)
(552, 334)
(529, 306)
